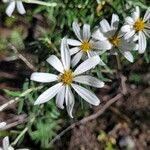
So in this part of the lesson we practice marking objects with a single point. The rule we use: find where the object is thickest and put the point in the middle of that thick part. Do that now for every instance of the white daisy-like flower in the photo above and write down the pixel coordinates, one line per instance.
(2, 124)
(138, 27)
(7, 146)
(85, 44)
(109, 32)
(67, 79)
(11, 7)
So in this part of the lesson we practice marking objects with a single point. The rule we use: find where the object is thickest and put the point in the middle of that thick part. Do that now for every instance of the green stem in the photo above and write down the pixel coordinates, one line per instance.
(40, 3)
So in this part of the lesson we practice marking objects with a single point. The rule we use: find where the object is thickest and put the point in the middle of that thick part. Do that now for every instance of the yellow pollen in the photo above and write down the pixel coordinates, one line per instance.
(139, 25)
(115, 40)
(67, 77)
(86, 46)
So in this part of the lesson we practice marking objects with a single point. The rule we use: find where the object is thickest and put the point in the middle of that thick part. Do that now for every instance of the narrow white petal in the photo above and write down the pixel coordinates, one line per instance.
(105, 45)
(10, 8)
(10, 148)
(87, 65)
(73, 42)
(89, 80)
(60, 97)
(98, 35)
(142, 42)
(76, 59)
(6, 1)
(130, 34)
(114, 21)
(129, 20)
(126, 28)
(56, 63)
(76, 30)
(20, 7)
(69, 101)
(65, 54)
(147, 32)
(43, 77)
(147, 15)
(136, 13)
(74, 50)
(105, 25)
(48, 94)
(86, 94)
(6, 143)
(86, 32)
(2, 124)
(128, 56)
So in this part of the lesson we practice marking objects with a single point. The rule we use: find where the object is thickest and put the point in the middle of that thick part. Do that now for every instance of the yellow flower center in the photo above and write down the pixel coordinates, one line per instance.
(86, 46)
(67, 77)
(115, 40)
(139, 25)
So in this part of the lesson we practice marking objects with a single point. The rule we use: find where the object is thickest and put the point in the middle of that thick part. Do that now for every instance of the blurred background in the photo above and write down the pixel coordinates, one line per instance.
(25, 43)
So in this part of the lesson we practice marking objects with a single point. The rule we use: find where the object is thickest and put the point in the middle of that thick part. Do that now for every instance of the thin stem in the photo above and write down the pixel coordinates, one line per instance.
(41, 3)
(118, 62)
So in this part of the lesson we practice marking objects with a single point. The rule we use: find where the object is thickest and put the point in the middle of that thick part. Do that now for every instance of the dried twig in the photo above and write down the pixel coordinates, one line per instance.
(89, 118)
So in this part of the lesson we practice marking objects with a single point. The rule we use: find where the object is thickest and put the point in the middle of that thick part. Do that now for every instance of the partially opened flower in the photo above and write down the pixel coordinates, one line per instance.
(109, 32)
(2, 124)
(138, 27)
(11, 7)
(7, 146)
(84, 44)
(66, 79)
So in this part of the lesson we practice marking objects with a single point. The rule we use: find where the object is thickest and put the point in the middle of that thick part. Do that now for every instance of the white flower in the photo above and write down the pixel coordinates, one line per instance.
(67, 79)
(84, 44)
(109, 32)
(11, 7)
(7, 146)
(2, 124)
(138, 27)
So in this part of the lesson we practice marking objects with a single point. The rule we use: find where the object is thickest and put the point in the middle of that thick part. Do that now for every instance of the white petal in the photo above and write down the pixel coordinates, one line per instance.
(126, 28)
(86, 94)
(60, 97)
(6, 143)
(65, 54)
(76, 30)
(87, 65)
(130, 34)
(105, 45)
(10, 8)
(43, 77)
(147, 15)
(114, 21)
(89, 81)
(128, 56)
(86, 32)
(74, 50)
(56, 63)
(2, 124)
(73, 42)
(6, 1)
(147, 32)
(20, 7)
(98, 35)
(48, 94)
(136, 13)
(69, 101)
(76, 59)
(105, 25)
(129, 20)
(142, 42)
(10, 148)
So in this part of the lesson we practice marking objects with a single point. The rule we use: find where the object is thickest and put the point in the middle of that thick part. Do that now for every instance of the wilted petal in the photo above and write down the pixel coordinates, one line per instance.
(87, 65)
(89, 81)
(69, 101)
(60, 97)
(20, 7)
(48, 94)
(114, 21)
(10, 8)
(86, 94)
(43, 77)
(56, 63)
